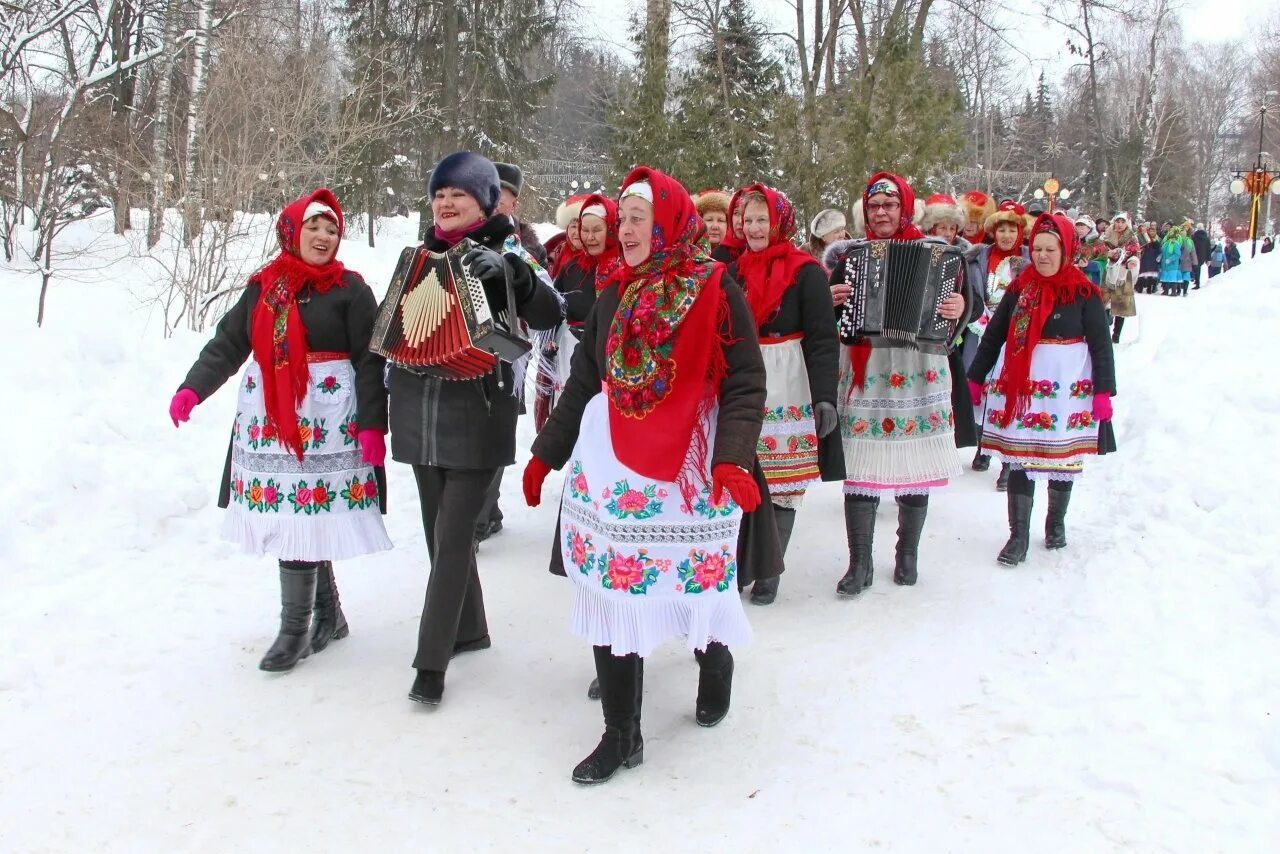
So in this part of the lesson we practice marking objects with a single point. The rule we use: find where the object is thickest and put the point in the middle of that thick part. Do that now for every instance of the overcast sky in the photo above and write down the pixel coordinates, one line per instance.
(1203, 20)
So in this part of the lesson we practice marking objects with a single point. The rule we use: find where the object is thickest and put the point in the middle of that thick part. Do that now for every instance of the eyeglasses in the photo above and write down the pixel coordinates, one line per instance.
(887, 207)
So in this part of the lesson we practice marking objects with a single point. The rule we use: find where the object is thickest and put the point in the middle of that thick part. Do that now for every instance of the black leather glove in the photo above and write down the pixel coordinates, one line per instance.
(487, 266)
(824, 417)
(523, 280)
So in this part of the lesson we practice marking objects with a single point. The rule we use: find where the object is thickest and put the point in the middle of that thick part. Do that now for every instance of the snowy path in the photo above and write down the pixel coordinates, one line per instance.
(1120, 695)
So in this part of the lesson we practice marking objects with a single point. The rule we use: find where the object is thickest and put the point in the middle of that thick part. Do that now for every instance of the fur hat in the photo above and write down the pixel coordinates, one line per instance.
(569, 209)
(1010, 212)
(712, 201)
(511, 177)
(826, 222)
(940, 209)
(470, 172)
(977, 206)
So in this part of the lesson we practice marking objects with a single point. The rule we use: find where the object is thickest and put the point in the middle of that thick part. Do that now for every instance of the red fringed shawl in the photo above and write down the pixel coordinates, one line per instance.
(768, 274)
(276, 333)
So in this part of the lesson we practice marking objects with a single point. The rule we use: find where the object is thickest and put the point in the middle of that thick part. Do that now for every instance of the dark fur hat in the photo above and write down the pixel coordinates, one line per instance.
(511, 177)
(470, 172)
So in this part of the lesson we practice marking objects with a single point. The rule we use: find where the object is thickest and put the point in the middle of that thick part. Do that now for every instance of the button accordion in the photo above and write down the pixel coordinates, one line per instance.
(437, 319)
(897, 287)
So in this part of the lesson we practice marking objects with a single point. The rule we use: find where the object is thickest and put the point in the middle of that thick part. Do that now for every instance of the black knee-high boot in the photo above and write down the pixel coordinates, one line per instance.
(1021, 498)
(860, 526)
(297, 598)
(1002, 479)
(328, 623)
(621, 688)
(912, 510)
(765, 590)
(1055, 523)
(715, 683)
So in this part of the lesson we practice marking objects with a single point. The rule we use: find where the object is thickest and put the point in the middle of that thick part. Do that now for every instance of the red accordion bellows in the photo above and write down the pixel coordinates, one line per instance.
(437, 318)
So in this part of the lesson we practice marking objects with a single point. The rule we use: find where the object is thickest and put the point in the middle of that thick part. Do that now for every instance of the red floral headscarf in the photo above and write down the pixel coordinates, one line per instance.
(276, 332)
(664, 358)
(766, 275)
(1038, 296)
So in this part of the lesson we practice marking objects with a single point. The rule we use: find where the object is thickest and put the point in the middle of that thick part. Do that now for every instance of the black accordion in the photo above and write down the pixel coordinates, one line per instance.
(897, 288)
(437, 320)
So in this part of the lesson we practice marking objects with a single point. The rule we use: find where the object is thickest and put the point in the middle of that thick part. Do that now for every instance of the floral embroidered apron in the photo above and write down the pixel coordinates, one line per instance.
(322, 508)
(644, 567)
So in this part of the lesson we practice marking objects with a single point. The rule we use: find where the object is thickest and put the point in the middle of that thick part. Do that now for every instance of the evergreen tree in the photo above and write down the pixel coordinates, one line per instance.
(722, 133)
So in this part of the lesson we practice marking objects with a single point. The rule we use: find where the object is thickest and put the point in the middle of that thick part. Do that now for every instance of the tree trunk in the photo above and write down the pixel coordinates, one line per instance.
(163, 112)
(193, 196)
(657, 48)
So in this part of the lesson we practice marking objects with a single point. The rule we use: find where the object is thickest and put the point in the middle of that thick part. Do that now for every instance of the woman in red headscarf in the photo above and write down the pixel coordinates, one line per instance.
(303, 478)
(990, 267)
(895, 408)
(1049, 375)
(658, 426)
(791, 303)
(578, 281)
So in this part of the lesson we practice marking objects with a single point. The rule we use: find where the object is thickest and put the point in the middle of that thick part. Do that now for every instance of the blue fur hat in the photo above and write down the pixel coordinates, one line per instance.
(470, 172)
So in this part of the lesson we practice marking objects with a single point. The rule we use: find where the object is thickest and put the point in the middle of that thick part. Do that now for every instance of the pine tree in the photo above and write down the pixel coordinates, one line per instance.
(722, 133)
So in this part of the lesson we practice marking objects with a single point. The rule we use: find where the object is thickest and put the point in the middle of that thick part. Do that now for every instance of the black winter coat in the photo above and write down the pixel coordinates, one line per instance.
(1203, 245)
(741, 415)
(1149, 261)
(339, 320)
(806, 309)
(578, 285)
(1082, 318)
(468, 424)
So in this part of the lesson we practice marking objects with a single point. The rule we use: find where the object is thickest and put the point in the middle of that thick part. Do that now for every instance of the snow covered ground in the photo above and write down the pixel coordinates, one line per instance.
(1119, 695)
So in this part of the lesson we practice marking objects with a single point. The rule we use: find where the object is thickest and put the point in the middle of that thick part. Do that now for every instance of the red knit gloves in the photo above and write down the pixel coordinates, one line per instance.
(534, 474)
(1102, 406)
(373, 447)
(740, 485)
(975, 391)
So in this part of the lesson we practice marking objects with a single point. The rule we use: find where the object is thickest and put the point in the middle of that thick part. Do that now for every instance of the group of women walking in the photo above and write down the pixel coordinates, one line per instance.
(693, 386)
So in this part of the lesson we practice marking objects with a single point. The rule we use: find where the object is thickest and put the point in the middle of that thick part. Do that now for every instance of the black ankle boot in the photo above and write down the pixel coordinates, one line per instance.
(715, 684)
(1055, 523)
(1002, 480)
(765, 590)
(593, 690)
(428, 687)
(860, 527)
(910, 523)
(981, 461)
(328, 622)
(297, 598)
(621, 691)
(1015, 551)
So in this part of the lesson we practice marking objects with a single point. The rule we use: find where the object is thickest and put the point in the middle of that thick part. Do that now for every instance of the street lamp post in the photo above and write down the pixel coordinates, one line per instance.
(1053, 190)
(1257, 182)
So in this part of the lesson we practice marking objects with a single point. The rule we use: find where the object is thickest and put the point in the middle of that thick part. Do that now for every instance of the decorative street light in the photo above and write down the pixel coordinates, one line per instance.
(1053, 190)
(1257, 182)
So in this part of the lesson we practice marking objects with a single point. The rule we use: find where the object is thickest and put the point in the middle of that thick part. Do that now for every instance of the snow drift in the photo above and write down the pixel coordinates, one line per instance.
(1118, 695)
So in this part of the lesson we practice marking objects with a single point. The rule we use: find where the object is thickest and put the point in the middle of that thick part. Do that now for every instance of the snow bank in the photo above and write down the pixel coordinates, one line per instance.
(1118, 695)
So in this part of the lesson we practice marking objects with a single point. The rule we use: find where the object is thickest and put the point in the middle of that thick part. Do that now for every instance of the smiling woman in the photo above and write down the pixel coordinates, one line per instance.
(303, 478)
(658, 427)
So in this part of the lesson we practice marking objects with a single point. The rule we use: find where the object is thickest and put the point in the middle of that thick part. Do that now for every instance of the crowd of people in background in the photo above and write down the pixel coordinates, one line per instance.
(696, 374)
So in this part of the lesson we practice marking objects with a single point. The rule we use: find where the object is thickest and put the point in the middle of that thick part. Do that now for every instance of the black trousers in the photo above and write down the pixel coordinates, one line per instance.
(491, 512)
(1195, 275)
(453, 611)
